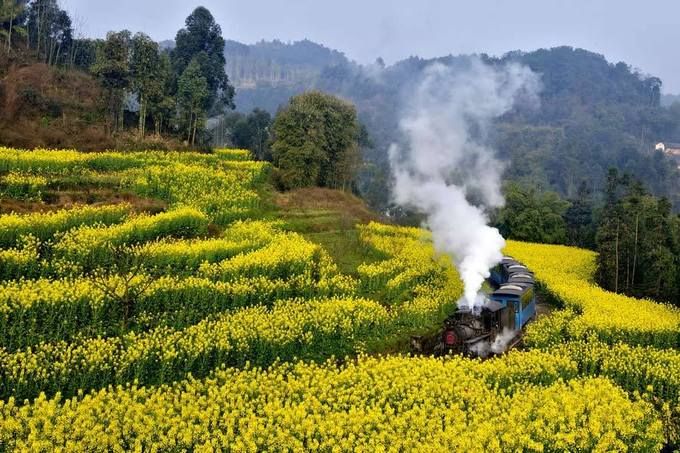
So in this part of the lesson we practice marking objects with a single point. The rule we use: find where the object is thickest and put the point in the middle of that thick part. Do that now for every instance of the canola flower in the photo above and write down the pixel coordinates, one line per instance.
(44, 225)
(373, 404)
(90, 246)
(234, 154)
(567, 275)
(47, 161)
(22, 261)
(224, 195)
(60, 162)
(22, 186)
(43, 310)
(255, 294)
(46, 309)
(410, 261)
(431, 302)
(294, 328)
(288, 255)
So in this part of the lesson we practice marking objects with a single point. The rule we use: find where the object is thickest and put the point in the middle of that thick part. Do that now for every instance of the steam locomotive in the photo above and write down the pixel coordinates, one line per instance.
(497, 324)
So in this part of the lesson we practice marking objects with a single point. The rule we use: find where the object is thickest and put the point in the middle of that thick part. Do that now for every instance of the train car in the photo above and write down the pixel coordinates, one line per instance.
(499, 321)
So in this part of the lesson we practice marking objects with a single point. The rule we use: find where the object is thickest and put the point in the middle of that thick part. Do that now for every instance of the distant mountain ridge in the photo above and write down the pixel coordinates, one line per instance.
(668, 99)
(593, 114)
(277, 63)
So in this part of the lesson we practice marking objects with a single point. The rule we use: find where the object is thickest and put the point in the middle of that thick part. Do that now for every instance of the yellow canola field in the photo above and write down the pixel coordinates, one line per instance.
(372, 405)
(255, 294)
(567, 273)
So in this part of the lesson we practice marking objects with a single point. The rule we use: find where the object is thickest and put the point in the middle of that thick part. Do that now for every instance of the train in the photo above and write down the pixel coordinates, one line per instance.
(494, 326)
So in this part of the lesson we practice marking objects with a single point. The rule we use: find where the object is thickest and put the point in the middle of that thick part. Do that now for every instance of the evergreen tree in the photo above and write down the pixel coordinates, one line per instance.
(193, 93)
(146, 74)
(637, 242)
(253, 132)
(50, 31)
(112, 68)
(201, 41)
(579, 219)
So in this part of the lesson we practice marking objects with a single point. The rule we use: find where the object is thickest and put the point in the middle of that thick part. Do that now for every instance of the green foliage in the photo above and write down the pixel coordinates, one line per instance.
(50, 31)
(43, 226)
(533, 216)
(638, 240)
(12, 14)
(112, 68)
(593, 115)
(147, 74)
(316, 142)
(252, 132)
(580, 219)
(192, 96)
(201, 42)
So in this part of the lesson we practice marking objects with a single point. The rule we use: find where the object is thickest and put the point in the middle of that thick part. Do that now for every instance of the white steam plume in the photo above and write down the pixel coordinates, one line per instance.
(445, 162)
(498, 346)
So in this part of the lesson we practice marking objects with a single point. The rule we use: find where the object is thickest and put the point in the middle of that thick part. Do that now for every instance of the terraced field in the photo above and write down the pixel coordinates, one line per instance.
(207, 313)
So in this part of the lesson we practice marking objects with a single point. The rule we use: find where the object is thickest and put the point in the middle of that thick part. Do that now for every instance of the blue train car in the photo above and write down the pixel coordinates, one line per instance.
(499, 273)
(508, 308)
(516, 290)
(520, 300)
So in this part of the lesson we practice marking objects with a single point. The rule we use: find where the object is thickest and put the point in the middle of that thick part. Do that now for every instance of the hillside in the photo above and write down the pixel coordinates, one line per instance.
(669, 99)
(593, 115)
(227, 297)
(266, 74)
(45, 106)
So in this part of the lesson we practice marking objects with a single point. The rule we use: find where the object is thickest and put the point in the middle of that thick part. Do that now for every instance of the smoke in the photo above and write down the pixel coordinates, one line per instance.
(502, 340)
(445, 163)
(498, 346)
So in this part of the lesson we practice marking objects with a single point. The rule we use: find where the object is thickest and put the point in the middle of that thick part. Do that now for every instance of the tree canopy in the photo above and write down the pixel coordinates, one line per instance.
(316, 142)
(638, 240)
(529, 215)
(201, 41)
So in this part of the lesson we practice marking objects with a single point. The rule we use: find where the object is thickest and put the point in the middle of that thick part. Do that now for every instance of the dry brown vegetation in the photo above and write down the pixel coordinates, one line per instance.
(43, 106)
(317, 199)
(94, 197)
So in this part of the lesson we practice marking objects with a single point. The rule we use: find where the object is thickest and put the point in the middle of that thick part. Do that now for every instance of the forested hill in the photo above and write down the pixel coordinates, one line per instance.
(267, 73)
(594, 114)
(669, 99)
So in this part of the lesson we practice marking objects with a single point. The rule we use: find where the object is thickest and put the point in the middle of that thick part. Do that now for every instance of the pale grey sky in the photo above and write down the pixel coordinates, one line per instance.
(645, 34)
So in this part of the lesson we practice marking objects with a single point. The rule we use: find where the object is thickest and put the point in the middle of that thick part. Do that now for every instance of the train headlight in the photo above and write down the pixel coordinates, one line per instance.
(450, 338)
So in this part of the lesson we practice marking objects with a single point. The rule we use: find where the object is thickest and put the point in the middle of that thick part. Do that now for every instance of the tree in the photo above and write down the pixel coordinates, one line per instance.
(11, 18)
(579, 219)
(84, 53)
(146, 74)
(533, 216)
(162, 105)
(609, 234)
(50, 31)
(252, 132)
(201, 42)
(637, 242)
(112, 68)
(315, 142)
(193, 93)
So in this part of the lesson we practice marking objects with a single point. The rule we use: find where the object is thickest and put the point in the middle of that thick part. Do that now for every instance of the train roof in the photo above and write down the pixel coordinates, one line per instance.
(521, 278)
(517, 269)
(511, 289)
(493, 305)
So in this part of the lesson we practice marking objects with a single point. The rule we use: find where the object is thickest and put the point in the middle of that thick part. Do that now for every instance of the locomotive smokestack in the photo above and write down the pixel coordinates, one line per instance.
(444, 163)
